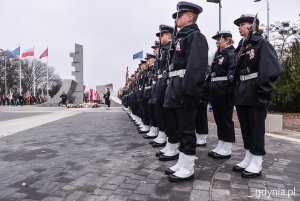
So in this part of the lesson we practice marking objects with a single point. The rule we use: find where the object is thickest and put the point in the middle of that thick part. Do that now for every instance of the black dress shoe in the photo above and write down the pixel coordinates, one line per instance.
(168, 158)
(201, 145)
(211, 153)
(247, 174)
(219, 156)
(237, 168)
(155, 144)
(142, 132)
(149, 137)
(168, 171)
(173, 178)
(157, 154)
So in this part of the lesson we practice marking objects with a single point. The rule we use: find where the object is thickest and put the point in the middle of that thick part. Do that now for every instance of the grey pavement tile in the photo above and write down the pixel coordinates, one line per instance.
(220, 194)
(128, 186)
(95, 198)
(145, 188)
(132, 181)
(110, 186)
(201, 185)
(122, 191)
(52, 199)
(223, 176)
(103, 192)
(179, 195)
(239, 186)
(77, 195)
(199, 195)
(117, 198)
(117, 180)
(138, 197)
(151, 181)
(183, 186)
(221, 184)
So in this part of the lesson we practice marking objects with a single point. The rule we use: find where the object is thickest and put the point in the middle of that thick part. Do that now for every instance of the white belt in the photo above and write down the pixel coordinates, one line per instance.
(149, 87)
(249, 76)
(160, 76)
(214, 79)
(179, 73)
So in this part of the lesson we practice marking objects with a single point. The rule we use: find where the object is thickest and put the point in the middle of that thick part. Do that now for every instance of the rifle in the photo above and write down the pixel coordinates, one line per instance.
(172, 46)
(233, 77)
(159, 55)
(208, 75)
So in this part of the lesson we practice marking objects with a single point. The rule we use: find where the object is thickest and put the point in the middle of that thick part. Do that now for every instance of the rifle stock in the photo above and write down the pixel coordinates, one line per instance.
(243, 46)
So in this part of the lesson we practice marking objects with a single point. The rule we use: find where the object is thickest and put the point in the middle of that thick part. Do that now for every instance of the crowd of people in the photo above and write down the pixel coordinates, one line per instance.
(167, 96)
(19, 99)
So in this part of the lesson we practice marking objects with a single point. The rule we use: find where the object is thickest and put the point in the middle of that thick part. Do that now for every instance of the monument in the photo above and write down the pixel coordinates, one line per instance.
(73, 89)
(77, 56)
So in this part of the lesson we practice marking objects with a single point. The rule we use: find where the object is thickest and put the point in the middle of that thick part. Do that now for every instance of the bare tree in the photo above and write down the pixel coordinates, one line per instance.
(282, 34)
(27, 68)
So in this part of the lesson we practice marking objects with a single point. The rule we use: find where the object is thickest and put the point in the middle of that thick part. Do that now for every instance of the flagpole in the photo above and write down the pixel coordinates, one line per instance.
(20, 75)
(5, 77)
(34, 76)
(47, 89)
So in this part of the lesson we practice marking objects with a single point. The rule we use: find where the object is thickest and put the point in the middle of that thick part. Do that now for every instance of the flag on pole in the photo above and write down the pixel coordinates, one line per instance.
(138, 55)
(45, 53)
(91, 95)
(15, 52)
(28, 53)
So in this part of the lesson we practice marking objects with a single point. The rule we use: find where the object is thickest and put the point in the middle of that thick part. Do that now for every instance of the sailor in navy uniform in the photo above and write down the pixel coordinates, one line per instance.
(166, 125)
(257, 70)
(221, 94)
(149, 88)
(187, 75)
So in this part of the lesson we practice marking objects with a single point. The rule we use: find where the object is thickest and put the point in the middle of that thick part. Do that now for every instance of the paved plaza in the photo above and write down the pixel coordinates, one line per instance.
(85, 154)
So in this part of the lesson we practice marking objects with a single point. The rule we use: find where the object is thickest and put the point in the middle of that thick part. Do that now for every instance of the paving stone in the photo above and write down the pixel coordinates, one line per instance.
(117, 198)
(121, 191)
(221, 184)
(220, 194)
(183, 186)
(103, 192)
(95, 198)
(145, 189)
(139, 197)
(179, 195)
(109, 187)
(117, 180)
(52, 199)
(201, 185)
(223, 176)
(128, 186)
(199, 195)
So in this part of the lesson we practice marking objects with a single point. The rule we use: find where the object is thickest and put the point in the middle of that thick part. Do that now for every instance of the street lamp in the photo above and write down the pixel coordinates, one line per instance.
(220, 6)
(268, 14)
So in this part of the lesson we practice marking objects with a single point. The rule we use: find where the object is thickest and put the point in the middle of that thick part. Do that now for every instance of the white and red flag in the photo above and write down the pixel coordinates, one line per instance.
(28, 53)
(91, 95)
(44, 54)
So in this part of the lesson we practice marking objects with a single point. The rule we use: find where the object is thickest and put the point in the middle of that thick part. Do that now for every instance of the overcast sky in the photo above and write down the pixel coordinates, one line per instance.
(111, 31)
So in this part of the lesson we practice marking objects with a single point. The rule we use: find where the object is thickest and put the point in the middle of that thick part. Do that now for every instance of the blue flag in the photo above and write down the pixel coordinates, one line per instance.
(138, 55)
(15, 52)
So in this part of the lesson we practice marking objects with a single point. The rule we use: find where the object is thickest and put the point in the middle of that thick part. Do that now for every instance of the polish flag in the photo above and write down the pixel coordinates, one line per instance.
(91, 95)
(28, 53)
(45, 54)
